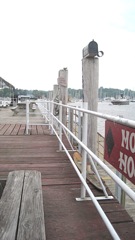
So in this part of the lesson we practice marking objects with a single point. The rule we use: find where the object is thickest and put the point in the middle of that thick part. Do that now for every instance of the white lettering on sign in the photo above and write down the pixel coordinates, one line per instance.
(128, 140)
(130, 167)
(125, 137)
(127, 164)
(123, 162)
(132, 142)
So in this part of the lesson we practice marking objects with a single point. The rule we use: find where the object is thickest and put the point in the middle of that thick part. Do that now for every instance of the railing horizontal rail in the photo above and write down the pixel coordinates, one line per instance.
(117, 119)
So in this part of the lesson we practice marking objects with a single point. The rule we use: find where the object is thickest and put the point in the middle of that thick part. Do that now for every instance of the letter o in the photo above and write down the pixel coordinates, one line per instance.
(130, 162)
(132, 142)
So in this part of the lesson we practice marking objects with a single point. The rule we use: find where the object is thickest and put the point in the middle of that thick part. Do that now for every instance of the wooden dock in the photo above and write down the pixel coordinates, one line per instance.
(65, 218)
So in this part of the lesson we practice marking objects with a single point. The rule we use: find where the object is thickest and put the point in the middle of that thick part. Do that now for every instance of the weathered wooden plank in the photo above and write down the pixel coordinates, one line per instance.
(126, 230)
(10, 129)
(28, 150)
(10, 205)
(27, 143)
(40, 129)
(60, 181)
(4, 129)
(25, 154)
(1, 126)
(119, 217)
(22, 129)
(44, 170)
(15, 130)
(31, 160)
(34, 130)
(61, 166)
(31, 222)
(108, 206)
(45, 129)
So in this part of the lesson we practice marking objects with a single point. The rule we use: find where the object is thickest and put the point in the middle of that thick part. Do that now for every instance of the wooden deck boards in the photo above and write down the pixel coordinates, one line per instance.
(20, 129)
(65, 218)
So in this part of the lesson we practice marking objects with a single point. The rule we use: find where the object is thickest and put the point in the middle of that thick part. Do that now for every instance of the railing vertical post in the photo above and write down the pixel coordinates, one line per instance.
(43, 110)
(60, 127)
(79, 130)
(84, 153)
(119, 193)
(52, 116)
(49, 114)
(47, 111)
(69, 122)
(75, 124)
(27, 117)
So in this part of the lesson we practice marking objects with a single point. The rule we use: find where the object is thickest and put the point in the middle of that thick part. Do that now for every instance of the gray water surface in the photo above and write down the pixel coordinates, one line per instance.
(125, 111)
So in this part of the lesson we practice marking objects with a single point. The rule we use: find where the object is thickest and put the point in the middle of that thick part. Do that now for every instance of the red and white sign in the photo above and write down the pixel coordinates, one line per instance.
(62, 81)
(119, 148)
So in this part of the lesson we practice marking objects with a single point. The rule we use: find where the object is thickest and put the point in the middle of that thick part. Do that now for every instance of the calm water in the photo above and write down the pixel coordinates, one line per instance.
(126, 111)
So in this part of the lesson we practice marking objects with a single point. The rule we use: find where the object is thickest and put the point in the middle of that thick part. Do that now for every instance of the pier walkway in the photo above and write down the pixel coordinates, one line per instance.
(65, 218)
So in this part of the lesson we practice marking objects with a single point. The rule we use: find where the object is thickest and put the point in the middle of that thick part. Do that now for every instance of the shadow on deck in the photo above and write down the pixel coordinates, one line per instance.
(65, 218)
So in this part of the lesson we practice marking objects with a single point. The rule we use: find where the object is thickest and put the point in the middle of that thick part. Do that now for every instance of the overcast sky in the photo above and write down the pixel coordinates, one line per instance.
(40, 37)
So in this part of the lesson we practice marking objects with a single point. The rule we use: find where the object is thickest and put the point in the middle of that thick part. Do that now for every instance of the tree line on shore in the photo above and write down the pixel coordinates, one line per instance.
(72, 93)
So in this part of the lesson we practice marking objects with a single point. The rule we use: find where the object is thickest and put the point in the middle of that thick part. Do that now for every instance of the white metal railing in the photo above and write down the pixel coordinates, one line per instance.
(57, 127)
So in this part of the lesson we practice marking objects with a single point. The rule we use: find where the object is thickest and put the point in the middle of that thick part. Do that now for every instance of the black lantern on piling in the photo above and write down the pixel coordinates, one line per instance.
(91, 50)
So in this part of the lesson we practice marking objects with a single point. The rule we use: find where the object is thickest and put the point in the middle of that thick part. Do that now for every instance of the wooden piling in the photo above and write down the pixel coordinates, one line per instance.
(63, 86)
(90, 78)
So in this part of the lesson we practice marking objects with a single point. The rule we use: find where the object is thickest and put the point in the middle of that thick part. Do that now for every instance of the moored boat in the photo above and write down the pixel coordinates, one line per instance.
(121, 101)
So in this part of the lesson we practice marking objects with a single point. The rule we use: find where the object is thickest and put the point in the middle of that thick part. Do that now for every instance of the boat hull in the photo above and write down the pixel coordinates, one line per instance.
(120, 102)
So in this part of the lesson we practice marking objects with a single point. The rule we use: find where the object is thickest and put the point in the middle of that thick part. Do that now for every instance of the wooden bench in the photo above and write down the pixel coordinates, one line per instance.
(21, 207)
(33, 108)
(15, 110)
(21, 107)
